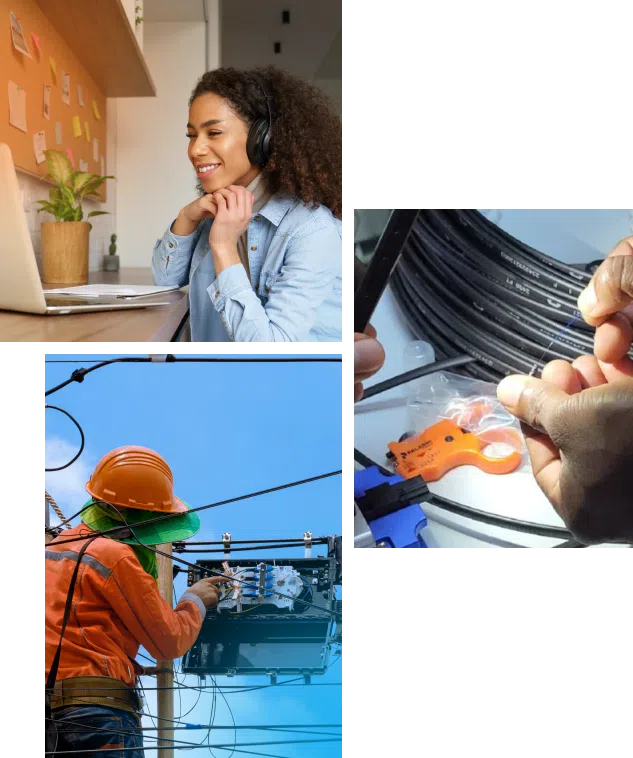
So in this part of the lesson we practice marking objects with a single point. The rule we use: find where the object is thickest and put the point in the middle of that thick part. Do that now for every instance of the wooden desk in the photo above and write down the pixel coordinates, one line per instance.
(158, 324)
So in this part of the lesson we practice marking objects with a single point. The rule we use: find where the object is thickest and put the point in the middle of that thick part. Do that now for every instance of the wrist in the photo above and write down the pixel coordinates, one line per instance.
(224, 249)
(184, 226)
(224, 255)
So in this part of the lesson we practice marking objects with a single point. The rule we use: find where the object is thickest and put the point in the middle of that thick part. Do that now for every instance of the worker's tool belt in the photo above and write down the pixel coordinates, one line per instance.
(95, 690)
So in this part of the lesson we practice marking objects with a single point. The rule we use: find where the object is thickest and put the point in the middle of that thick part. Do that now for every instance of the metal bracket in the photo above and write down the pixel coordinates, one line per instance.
(307, 542)
(226, 539)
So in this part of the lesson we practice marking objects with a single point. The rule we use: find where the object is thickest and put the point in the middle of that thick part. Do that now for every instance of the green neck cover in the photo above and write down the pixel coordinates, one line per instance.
(99, 518)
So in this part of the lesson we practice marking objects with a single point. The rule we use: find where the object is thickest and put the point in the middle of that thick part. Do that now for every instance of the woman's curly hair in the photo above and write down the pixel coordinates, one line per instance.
(305, 141)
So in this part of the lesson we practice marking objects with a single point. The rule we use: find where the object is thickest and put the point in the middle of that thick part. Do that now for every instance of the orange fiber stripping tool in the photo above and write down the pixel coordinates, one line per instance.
(446, 445)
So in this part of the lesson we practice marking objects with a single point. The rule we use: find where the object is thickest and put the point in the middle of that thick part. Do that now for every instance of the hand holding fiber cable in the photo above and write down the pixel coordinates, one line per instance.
(369, 357)
(579, 416)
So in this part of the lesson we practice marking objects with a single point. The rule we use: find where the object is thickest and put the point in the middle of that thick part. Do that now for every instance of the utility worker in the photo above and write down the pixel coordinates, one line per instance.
(116, 605)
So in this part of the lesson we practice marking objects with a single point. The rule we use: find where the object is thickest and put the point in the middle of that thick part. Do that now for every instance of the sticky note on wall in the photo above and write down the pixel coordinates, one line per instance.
(95, 149)
(71, 157)
(87, 131)
(76, 126)
(53, 68)
(95, 110)
(39, 145)
(17, 106)
(47, 101)
(65, 88)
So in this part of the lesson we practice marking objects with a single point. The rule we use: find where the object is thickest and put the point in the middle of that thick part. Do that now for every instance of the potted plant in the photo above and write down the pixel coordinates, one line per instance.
(65, 241)
(111, 262)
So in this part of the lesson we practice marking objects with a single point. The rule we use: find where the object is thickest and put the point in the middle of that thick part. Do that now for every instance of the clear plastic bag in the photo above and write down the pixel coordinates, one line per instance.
(472, 405)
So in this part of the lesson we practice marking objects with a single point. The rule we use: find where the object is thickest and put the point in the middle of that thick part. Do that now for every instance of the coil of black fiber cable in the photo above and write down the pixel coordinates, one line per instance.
(466, 286)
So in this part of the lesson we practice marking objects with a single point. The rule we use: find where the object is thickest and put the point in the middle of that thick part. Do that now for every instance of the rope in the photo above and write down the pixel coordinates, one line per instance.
(54, 506)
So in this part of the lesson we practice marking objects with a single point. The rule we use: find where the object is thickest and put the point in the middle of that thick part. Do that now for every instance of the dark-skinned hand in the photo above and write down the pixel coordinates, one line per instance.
(578, 418)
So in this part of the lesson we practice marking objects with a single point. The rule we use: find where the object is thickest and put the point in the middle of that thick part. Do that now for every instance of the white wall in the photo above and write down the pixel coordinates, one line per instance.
(154, 176)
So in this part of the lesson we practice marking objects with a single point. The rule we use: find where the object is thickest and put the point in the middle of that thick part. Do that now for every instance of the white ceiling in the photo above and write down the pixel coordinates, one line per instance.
(311, 43)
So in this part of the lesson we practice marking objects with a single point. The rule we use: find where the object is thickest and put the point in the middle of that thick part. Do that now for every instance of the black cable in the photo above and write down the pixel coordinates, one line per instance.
(187, 746)
(504, 522)
(246, 549)
(80, 374)
(468, 287)
(473, 252)
(593, 266)
(115, 530)
(491, 312)
(81, 432)
(416, 373)
(315, 541)
(477, 229)
(213, 572)
(508, 242)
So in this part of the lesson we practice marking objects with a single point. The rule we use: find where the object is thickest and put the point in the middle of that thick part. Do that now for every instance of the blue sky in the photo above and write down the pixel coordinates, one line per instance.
(225, 430)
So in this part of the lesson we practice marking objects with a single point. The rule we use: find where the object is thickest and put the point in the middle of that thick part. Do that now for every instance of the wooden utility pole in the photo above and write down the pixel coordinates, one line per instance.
(165, 696)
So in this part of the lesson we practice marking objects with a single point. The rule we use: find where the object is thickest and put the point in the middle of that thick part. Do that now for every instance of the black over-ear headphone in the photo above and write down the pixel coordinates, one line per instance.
(258, 140)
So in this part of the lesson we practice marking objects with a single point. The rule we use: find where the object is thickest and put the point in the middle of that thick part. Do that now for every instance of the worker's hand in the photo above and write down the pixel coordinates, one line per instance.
(578, 424)
(207, 590)
(607, 303)
(234, 210)
(369, 357)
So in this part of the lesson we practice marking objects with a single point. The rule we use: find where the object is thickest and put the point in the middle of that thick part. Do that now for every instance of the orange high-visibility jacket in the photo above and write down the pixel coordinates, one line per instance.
(116, 607)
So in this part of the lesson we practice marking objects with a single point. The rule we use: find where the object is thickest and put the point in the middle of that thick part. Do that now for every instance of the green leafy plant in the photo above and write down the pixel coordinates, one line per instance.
(72, 186)
(113, 244)
(138, 19)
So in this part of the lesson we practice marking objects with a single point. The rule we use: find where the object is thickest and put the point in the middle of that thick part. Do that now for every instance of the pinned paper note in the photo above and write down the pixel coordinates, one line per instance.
(39, 143)
(19, 43)
(80, 95)
(76, 126)
(36, 42)
(95, 149)
(95, 110)
(65, 88)
(87, 131)
(102, 166)
(58, 132)
(53, 68)
(71, 157)
(47, 101)
(17, 106)
(83, 166)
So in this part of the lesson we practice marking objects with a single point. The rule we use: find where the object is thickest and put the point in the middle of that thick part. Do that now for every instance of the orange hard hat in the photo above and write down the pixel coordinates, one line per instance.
(135, 477)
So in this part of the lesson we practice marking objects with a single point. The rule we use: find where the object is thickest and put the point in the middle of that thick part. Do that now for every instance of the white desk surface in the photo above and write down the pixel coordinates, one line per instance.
(383, 419)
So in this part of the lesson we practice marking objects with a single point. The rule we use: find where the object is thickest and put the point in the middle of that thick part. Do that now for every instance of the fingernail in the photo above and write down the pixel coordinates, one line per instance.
(510, 389)
(587, 300)
(368, 355)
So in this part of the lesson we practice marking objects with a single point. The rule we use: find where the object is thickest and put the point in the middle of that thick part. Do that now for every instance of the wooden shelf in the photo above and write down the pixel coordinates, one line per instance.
(100, 35)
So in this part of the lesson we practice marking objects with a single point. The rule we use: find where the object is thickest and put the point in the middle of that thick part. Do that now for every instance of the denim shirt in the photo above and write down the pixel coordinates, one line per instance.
(294, 253)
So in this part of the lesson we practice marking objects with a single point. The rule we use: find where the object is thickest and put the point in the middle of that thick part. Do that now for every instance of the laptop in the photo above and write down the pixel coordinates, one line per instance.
(20, 285)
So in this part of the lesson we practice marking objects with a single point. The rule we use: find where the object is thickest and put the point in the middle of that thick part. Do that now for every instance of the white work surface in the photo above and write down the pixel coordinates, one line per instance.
(383, 419)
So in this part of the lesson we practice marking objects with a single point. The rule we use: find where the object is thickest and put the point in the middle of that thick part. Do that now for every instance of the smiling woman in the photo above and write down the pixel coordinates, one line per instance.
(261, 246)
